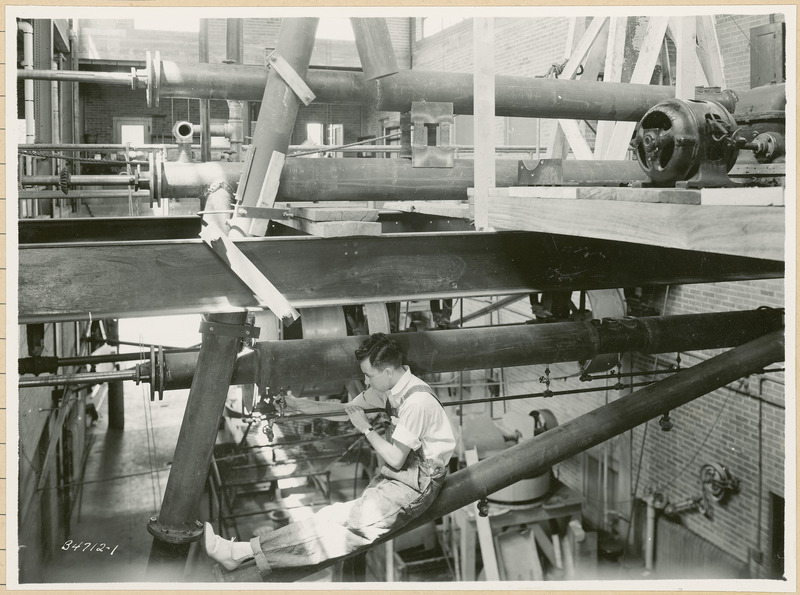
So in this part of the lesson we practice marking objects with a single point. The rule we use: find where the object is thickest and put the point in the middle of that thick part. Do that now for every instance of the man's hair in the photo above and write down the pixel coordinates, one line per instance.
(381, 350)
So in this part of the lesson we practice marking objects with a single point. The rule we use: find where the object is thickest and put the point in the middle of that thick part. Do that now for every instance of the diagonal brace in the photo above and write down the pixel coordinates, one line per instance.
(264, 291)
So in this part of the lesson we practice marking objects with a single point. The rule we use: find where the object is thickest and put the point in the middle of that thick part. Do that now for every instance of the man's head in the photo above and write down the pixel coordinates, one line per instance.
(381, 361)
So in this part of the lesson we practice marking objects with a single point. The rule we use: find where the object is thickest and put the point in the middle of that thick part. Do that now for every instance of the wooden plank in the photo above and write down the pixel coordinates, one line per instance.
(754, 197)
(561, 192)
(642, 72)
(584, 45)
(708, 51)
(467, 545)
(536, 563)
(484, 118)
(269, 190)
(544, 543)
(756, 232)
(686, 56)
(612, 73)
(132, 279)
(334, 229)
(657, 195)
(265, 292)
(577, 142)
(452, 210)
(484, 528)
(335, 213)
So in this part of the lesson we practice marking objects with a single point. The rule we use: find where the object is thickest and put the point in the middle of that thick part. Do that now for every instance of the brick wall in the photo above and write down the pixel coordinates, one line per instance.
(733, 32)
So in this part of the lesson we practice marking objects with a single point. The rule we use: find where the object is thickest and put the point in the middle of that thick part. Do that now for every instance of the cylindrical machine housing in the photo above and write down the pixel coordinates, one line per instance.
(677, 136)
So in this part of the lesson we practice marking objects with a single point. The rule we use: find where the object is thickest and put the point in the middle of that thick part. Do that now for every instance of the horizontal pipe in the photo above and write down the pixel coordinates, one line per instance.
(81, 378)
(84, 194)
(534, 457)
(122, 79)
(514, 95)
(340, 179)
(288, 363)
(88, 147)
(95, 180)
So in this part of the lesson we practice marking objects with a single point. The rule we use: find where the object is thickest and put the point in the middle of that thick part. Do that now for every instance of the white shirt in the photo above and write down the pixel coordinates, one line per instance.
(421, 420)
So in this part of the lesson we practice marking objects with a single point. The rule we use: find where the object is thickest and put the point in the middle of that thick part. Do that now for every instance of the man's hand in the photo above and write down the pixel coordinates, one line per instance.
(358, 418)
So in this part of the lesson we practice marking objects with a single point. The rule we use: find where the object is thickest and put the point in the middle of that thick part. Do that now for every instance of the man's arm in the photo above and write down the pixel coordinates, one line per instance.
(394, 453)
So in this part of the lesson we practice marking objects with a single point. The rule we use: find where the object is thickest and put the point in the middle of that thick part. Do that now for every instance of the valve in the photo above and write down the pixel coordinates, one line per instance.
(665, 423)
(483, 507)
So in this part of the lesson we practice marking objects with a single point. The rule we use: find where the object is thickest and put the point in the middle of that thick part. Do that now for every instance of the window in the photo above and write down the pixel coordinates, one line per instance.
(191, 25)
(434, 25)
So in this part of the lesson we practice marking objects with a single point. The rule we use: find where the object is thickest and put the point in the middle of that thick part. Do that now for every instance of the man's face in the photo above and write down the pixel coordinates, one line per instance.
(379, 379)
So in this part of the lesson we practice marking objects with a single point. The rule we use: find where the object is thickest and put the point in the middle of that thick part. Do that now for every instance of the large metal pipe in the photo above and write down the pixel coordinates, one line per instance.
(286, 363)
(279, 106)
(340, 179)
(514, 95)
(533, 457)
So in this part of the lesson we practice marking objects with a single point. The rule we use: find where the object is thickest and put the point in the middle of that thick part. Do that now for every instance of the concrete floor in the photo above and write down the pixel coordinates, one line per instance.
(126, 474)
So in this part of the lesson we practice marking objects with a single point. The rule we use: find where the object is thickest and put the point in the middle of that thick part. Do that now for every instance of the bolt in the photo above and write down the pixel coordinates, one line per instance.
(153, 519)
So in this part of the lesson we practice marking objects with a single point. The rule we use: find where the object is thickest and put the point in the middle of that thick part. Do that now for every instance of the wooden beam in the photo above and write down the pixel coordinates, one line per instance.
(337, 213)
(265, 292)
(756, 232)
(612, 73)
(484, 120)
(454, 210)
(569, 128)
(484, 528)
(642, 72)
(708, 51)
(184, 276)
(334, 229)
(686, 57)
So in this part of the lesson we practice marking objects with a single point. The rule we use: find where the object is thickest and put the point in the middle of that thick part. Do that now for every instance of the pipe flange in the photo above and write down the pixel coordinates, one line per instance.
(148, 66)
(181, 534)
(157, 78)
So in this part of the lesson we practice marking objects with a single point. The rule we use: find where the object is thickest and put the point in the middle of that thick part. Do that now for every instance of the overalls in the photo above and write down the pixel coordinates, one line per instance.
(392, 499)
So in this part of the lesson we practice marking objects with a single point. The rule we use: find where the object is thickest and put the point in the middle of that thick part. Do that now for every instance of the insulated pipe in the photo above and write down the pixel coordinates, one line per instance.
(284, 363)
(536, 456)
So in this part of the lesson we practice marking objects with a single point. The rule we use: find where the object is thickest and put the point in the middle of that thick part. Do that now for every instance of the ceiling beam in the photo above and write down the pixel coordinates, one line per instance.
(127, 279)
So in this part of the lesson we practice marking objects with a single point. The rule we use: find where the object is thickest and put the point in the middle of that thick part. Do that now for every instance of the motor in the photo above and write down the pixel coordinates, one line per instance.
(687, 143)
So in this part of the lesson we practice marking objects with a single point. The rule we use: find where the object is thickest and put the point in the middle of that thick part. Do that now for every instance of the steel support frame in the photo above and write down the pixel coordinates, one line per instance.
(183, 276)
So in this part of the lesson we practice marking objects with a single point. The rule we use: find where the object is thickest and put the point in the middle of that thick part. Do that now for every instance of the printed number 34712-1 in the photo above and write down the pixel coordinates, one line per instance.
(88, 546)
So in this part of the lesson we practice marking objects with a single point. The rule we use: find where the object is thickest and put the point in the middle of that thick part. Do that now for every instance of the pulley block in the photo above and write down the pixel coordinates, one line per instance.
(687, 143)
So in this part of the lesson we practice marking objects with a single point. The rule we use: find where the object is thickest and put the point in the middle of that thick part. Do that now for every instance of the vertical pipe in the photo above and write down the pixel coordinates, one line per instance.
(374, 46)
(205, 104)
(484, 90)
(116, 395)
(27, 64)
(176, 525)
(279, 106)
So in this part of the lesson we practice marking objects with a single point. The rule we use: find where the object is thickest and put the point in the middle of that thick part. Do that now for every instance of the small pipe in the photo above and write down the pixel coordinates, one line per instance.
(27, 65)
(122, 79)
(95, 180)
(86, 378)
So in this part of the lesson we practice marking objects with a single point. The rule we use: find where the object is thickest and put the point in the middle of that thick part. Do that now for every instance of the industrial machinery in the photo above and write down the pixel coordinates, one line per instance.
(695, 143)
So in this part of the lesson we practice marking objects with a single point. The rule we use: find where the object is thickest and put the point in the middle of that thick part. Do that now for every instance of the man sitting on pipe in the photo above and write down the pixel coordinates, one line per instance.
(417, 447)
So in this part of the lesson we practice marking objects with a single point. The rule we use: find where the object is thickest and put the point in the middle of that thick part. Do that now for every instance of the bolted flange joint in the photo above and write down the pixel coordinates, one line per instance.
(185, 533)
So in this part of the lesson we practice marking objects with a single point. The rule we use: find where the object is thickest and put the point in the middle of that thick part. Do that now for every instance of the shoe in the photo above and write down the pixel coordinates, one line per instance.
(222, 550)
